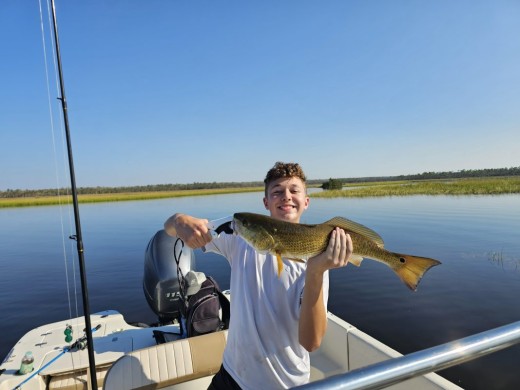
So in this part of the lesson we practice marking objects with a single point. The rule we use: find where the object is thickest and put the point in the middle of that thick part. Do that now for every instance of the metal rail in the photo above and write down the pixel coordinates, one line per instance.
(389, 372)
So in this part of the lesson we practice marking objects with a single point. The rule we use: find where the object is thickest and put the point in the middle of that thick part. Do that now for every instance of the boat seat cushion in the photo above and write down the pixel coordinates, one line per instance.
(168, 364)
(76, 381)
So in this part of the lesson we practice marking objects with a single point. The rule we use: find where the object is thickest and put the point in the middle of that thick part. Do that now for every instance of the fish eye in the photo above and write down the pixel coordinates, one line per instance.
(402, 260)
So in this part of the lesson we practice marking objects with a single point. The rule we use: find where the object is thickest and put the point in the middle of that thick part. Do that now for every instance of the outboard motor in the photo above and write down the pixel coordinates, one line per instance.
(160, 281)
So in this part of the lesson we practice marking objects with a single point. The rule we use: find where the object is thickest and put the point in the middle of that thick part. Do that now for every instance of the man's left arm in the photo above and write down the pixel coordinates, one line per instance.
(313, 315)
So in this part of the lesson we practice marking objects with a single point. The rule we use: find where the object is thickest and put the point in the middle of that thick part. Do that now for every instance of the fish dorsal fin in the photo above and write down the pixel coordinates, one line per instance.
(355, 227)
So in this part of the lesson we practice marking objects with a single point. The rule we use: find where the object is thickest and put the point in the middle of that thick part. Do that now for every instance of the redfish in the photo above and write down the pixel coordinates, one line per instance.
(299, 242)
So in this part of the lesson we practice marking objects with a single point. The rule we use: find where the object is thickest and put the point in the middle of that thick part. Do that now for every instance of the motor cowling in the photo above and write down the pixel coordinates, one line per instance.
(160, 281)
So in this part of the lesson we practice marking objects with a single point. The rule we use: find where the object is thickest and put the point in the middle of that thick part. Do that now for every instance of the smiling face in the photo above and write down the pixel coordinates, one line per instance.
(286, 199)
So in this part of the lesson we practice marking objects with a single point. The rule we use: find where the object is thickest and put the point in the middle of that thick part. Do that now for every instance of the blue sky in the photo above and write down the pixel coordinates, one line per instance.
(202, 91)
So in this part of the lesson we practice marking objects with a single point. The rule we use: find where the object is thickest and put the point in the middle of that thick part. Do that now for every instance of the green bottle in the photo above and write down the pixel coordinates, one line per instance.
(27, 364)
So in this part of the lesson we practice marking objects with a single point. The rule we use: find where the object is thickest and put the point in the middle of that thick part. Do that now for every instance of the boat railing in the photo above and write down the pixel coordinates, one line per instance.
(389, 372)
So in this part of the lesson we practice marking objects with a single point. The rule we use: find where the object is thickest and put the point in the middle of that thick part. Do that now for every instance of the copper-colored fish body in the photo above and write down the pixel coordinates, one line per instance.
(299, 242)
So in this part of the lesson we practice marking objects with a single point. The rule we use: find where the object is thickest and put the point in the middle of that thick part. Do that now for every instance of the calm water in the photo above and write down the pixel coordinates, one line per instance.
(476, 288)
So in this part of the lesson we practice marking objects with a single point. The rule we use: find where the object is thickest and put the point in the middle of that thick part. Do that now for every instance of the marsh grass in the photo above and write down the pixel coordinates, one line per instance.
(480, 186)
(498, 258)
(483, 186)
(97, 198)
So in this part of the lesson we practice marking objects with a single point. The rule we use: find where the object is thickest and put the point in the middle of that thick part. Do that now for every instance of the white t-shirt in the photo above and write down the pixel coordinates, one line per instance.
(262, 349)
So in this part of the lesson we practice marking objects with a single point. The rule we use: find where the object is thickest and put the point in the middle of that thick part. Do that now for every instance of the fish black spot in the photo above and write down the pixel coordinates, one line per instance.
(402, 260)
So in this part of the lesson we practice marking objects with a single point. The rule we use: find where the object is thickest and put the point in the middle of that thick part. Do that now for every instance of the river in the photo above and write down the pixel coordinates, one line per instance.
(477, 239)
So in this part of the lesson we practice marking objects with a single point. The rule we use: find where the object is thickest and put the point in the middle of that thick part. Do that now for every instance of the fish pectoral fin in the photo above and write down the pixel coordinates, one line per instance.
(295, 259)
(355, 260)
(280, 263)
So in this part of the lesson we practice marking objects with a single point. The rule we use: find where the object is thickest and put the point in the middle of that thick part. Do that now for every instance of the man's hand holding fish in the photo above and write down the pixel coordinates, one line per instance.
(336, 255)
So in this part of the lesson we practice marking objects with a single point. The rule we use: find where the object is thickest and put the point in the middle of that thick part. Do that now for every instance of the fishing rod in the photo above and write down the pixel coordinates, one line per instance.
(78, 236)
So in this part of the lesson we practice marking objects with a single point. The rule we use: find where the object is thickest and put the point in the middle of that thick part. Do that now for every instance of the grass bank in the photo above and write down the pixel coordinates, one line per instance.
(97, 198)
(481, 186)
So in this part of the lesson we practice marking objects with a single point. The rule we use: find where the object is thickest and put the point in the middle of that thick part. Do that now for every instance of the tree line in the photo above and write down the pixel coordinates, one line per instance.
(332, 183)
(465, 173)
(117, 190)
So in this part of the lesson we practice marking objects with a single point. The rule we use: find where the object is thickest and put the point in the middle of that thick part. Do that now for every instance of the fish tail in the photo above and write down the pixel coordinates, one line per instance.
(412, 268)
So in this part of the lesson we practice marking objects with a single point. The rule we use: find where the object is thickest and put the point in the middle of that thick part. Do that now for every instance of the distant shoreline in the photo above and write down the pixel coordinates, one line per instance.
(453, 187)
(118, 197)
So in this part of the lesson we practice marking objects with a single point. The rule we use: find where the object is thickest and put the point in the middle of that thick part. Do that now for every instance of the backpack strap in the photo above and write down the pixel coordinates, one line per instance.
(224, 303)
(181, 280)
(226, 309)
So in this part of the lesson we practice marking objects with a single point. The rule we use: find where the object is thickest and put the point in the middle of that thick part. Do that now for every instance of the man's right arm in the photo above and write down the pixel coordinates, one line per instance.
(193, 231)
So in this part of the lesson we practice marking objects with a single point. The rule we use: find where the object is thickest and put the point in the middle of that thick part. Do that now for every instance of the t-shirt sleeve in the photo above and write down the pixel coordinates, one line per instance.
(221, 245)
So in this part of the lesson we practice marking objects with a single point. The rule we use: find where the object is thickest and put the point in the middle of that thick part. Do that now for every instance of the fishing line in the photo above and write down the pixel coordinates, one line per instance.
(56, 165)
(66, 174)
(61, 205)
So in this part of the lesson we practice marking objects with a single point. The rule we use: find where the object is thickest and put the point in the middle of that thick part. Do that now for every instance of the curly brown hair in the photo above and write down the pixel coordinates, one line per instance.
(281, 169)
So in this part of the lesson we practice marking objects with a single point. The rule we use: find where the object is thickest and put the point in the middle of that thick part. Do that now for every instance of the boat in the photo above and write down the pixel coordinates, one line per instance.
(131, 356)
(127, 357)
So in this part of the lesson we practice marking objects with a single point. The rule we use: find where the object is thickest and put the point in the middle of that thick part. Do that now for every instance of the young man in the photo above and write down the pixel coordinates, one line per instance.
(276, 320)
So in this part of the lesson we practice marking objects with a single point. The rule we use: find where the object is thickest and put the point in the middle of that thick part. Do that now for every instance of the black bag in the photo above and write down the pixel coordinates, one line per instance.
(202, 312)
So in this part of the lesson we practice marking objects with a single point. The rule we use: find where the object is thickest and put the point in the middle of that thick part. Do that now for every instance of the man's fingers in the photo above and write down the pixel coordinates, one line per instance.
(195, 235)
(343, 250)
(339, 249)
(350, 246)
